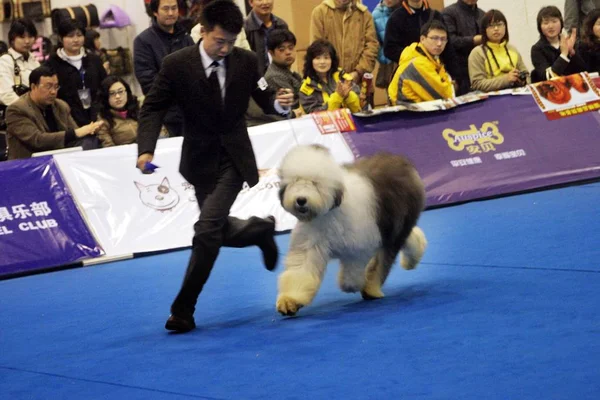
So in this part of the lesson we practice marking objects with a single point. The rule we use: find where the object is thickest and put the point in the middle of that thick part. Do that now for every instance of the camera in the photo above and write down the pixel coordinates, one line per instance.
(523, 75)
(20, 89)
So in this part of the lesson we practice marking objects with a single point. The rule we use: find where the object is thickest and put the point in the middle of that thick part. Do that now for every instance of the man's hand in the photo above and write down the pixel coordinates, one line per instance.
(143, 159)
(89, 129)
(285, 97)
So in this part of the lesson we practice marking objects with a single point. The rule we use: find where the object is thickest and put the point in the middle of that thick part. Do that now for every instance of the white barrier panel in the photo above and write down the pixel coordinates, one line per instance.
(130, 212)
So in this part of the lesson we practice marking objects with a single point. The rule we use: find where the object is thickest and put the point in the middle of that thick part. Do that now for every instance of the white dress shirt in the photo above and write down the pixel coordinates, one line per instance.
(208, 69)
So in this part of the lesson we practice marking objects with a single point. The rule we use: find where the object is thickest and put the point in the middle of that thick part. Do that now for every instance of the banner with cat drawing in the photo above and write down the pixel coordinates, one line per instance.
(130, 212)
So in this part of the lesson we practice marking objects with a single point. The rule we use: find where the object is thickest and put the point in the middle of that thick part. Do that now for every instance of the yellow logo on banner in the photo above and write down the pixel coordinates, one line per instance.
(474, 140)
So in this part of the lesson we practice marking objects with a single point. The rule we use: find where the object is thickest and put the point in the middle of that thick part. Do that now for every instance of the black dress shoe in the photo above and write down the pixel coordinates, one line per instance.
(268, 246)
(180, 324)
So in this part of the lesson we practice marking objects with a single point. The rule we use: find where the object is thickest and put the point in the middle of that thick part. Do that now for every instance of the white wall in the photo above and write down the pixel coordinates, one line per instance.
(521, 16)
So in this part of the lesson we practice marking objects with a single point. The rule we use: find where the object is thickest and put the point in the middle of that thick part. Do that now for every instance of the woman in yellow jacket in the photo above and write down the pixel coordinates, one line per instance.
(495, 64)
(325, 87)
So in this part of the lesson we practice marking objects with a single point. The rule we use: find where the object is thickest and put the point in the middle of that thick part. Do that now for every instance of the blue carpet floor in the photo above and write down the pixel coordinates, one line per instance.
(505, 305)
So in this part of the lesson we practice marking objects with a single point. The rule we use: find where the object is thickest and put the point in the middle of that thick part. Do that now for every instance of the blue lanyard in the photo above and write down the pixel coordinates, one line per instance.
(82, 75)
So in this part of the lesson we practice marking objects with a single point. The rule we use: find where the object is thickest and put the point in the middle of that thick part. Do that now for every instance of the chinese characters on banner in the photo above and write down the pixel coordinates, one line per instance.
(40, 225)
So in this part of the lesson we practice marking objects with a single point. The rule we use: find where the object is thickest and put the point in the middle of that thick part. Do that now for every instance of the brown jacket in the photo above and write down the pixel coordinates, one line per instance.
(123, 132)
(354, 40)
(27, 131)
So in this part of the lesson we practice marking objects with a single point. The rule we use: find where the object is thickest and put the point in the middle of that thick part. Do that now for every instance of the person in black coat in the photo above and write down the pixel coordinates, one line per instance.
(79, 73)
(212, 84)
(554, 54)
(463, 20)
(165, 36)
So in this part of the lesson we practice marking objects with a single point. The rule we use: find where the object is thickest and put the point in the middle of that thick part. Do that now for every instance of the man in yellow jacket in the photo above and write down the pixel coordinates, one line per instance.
(421, 76)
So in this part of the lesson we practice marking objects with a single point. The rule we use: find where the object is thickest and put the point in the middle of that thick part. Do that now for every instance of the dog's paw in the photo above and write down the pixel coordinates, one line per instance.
(287, 306)
(371, 292)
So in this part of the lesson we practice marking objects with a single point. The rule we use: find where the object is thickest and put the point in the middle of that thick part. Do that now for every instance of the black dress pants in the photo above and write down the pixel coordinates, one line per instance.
(215, 228)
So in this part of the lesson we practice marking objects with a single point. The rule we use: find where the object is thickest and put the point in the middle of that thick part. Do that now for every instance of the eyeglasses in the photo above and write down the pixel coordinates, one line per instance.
(438, 39)
(119, 92)
(49, 87)
(498, 25)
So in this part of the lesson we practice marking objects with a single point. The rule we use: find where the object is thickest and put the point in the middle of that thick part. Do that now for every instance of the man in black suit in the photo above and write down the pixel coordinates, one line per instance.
(212, 84)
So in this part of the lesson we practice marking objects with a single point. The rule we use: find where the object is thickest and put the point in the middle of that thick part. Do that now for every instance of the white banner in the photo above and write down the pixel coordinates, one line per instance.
(130, 212)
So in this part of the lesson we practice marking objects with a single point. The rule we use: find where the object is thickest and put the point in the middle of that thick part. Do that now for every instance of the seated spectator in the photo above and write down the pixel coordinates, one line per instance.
(258, 25)
(496, 64)
(279, 75)
(118, 109)
(553, 55)
(381, 15)
(79, 75)
(196, 34)
(463, 20)
(38, 121)
(18, 62)
(325, 86)
(589, 47)
(93, 44)
(421, 75)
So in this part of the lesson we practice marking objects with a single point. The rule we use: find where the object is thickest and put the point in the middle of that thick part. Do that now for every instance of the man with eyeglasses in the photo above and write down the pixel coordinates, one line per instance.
(38, 121)
(421, 75)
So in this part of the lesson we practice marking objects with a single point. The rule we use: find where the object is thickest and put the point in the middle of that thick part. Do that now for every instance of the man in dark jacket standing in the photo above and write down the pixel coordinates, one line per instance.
(151, 46)
(463, 20)
(212, 83)
(258, 24)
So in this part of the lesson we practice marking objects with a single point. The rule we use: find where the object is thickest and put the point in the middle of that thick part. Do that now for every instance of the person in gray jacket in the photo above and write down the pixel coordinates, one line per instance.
(575, 12)
(150, 47)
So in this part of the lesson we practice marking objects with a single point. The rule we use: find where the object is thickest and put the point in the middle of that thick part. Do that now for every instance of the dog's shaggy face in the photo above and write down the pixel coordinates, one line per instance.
(311, 182)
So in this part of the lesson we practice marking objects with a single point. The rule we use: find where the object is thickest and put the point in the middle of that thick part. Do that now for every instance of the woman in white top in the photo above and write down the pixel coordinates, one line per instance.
(18, 62)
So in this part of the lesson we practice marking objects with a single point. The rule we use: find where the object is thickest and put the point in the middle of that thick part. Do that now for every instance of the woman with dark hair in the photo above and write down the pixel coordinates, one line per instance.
(79, 73)
(589, 47)
(118, 109)
(496, 64)
(553, 55)
(18, 62)
(93, 44)
(325, 86)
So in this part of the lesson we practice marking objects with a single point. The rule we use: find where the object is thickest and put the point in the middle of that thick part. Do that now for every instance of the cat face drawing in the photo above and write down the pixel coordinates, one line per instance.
(158, 197)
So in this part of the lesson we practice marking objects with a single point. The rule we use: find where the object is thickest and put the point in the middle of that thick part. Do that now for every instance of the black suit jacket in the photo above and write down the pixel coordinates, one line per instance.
(208, 129)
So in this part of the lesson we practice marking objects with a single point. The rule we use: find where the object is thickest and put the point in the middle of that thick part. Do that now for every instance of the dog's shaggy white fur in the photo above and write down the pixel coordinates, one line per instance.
(362, 214)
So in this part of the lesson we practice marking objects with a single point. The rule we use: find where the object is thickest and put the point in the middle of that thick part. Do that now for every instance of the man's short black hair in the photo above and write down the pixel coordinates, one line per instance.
(278, 37)
(70, 25)
(434, 24)
(19, 27)
(224, 13)
(39, 72)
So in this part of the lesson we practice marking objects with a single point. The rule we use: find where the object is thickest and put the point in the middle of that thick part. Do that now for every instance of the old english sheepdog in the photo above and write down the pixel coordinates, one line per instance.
(363, 214)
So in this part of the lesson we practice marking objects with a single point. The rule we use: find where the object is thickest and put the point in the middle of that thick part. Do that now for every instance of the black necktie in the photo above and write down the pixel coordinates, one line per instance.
(214, 84)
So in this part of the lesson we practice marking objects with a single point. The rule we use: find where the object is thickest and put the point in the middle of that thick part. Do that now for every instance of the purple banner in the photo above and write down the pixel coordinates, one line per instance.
(497, 146)
(40, 226)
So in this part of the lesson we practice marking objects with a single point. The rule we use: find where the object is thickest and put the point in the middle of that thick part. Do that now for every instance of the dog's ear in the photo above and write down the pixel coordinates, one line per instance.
(281, 191)
(337, 199)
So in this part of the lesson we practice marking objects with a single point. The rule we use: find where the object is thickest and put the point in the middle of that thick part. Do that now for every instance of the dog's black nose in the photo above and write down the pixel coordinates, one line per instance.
(301, 201)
